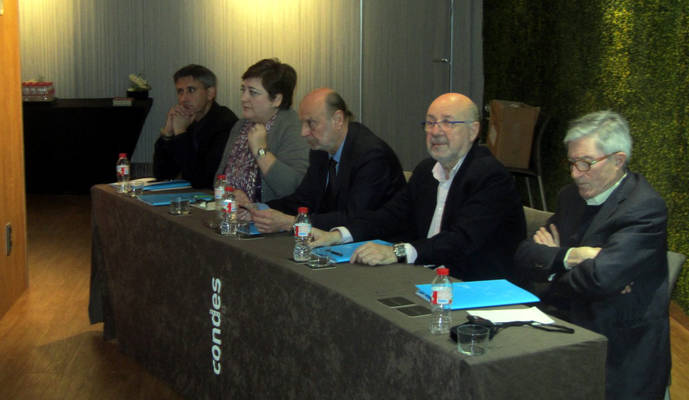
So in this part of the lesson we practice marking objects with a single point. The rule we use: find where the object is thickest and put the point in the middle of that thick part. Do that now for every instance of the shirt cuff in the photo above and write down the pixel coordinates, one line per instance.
(411, 253)
(564, 259)
(344, 232)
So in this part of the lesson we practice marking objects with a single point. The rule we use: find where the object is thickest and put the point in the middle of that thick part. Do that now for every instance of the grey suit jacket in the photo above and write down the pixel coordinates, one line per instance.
(630, 228)
(290, 149)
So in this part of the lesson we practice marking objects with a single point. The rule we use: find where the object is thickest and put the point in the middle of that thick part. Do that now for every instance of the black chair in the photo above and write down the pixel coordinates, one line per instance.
(535, 170)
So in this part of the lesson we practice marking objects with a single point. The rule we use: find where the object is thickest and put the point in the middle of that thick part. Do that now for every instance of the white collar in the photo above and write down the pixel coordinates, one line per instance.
(600, 198)
(439, 171)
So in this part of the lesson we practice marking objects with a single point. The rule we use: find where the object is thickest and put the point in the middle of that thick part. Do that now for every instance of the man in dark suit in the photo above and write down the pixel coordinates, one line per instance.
(350, 168)
(604, 254)
(193, 139)
(460, 207)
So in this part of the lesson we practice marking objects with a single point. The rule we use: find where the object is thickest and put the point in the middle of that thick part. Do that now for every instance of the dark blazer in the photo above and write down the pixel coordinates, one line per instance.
(630, 227)
(195, 154)
(369, 174)
(482, 223)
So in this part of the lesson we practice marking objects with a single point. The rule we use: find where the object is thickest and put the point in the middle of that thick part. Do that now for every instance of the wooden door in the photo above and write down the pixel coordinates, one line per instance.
(13, 261)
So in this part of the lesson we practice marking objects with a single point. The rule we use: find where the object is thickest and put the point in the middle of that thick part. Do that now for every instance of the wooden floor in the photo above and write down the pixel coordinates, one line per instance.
(48, 350)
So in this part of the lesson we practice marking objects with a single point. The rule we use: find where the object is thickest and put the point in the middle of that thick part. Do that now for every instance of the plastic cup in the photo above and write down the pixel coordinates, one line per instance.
(471, 339)
(137, 189)
(180, 206)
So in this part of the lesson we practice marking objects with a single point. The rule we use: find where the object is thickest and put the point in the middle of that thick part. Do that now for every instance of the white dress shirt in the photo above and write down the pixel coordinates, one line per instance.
(444, 182)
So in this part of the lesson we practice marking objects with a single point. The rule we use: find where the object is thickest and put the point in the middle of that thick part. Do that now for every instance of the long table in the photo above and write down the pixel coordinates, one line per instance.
(234, 319)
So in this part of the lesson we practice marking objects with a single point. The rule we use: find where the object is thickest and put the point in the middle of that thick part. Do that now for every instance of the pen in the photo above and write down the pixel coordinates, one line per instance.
(334, 252)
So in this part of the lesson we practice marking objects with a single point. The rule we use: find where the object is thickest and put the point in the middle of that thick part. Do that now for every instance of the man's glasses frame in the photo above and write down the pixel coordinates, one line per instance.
(585, 165)
(444, 124)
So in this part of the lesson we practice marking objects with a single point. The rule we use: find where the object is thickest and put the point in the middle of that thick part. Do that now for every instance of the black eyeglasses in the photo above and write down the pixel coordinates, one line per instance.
(444, 124)
(585, 165)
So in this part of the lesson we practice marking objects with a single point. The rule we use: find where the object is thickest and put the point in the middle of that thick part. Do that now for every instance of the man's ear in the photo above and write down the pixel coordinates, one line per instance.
(338, 118)
(475, 129)
(212, 91)
(620, 159)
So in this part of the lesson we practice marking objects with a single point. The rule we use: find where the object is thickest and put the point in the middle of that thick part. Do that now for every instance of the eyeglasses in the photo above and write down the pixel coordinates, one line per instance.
(584, 165)
(444, 124)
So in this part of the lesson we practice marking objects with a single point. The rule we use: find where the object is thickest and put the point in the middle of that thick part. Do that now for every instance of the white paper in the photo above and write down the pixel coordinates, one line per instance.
(512, 315)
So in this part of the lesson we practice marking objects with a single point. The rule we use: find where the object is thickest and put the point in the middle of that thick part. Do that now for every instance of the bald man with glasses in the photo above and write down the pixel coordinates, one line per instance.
(601, 260)
(459, 209)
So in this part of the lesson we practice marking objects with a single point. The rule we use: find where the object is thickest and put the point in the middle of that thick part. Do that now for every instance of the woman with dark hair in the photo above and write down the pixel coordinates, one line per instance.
(265, 156)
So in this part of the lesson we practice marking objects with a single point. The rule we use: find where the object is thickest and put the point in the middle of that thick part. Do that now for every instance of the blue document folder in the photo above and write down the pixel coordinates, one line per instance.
(249, 229)
(476, 294)
(165, 185)
(343, 252)
(164, 199)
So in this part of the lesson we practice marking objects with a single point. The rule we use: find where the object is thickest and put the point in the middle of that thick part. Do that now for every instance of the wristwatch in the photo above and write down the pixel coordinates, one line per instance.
(261, 153)
(165, 135)
(400, 252)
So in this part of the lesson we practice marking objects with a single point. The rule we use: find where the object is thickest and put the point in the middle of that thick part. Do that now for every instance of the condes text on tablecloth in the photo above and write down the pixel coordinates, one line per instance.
(216, 318)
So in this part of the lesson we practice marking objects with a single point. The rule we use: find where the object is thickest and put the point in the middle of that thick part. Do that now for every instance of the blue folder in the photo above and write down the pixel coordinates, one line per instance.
(164, 199)
(476, 294)
(343, 252)
(175, 184)
(249, 229)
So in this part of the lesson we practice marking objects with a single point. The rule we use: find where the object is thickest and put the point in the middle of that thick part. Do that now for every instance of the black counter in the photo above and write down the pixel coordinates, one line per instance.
(72, 144)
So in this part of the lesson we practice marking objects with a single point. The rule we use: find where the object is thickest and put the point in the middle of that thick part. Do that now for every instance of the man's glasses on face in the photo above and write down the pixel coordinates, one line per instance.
(585, 165)
(444, 124)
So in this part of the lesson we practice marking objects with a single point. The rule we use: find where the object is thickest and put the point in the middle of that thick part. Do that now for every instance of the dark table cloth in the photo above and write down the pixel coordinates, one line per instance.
(284, 331)
(72, 144)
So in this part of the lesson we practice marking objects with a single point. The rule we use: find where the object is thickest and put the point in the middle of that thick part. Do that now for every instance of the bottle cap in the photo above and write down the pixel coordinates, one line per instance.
(442, 271)
(303, 210)
(229, 189)
(123, 155)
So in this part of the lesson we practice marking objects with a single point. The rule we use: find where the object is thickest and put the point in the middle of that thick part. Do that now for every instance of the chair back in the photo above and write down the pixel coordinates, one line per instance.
(535, 219)
(675, 262)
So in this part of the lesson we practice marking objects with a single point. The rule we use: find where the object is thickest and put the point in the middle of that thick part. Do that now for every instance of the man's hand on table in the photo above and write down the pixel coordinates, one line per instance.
(373, 254)
(323, 238)
(270, 220)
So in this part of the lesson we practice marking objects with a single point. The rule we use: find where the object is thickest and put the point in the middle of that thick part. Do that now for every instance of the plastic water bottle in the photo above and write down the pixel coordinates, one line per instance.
(441, 299)
(230, 222)
(219, 193)
(122, 168)
(302, 235)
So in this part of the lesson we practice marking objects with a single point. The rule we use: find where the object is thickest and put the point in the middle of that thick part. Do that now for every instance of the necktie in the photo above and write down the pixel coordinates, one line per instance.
(329, 202)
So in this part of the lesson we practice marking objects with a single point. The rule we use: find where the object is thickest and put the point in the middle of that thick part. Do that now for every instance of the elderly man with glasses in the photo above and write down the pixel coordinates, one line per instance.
(459, 209)
(603, 259)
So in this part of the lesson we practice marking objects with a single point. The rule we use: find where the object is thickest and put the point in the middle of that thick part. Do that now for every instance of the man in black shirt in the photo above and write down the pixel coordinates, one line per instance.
(193, 139)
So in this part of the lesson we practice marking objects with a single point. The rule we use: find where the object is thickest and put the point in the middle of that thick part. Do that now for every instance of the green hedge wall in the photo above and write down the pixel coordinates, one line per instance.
(577, 56)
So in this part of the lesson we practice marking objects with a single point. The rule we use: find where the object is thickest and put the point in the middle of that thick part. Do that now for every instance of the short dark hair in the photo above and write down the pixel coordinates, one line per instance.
(276, 78)
(198, 72)
(335, 102)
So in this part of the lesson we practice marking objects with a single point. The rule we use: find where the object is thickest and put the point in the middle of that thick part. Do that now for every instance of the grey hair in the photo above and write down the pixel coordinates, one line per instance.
(198, 72)
(609, 128)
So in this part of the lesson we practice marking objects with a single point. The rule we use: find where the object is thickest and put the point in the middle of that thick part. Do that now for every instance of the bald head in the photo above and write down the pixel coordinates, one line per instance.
(458, 102)
(324, 117)
(317, 96)
(452, 128)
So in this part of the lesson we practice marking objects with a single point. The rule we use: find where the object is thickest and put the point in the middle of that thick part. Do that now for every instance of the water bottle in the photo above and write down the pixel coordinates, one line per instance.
(122, 168)
(441, 299)
(230, 222)
(219, 193)
(302, 235)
